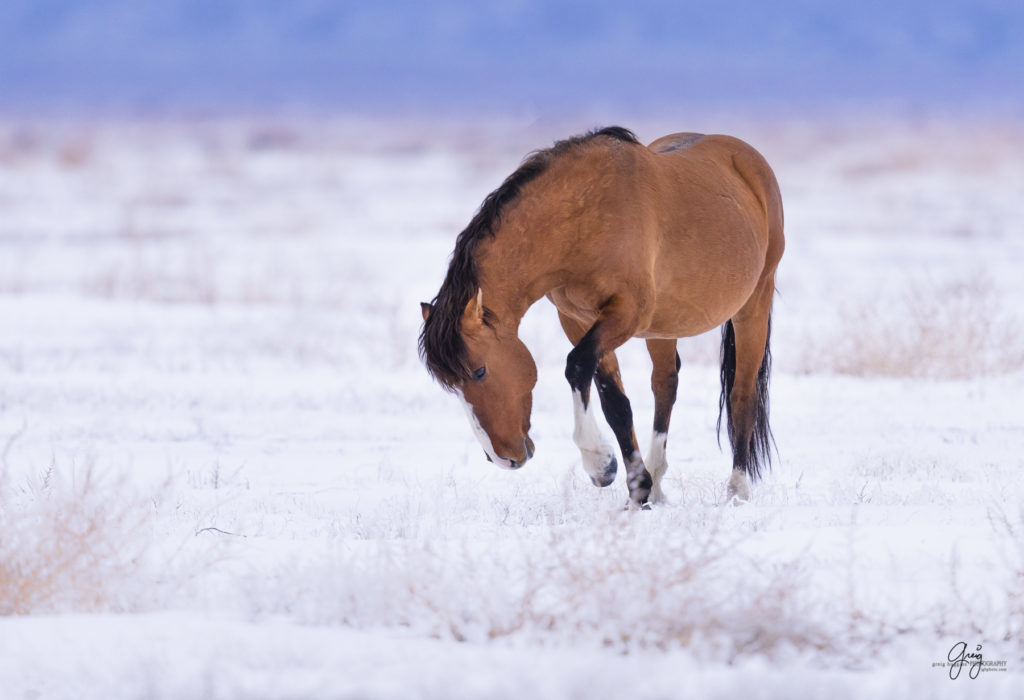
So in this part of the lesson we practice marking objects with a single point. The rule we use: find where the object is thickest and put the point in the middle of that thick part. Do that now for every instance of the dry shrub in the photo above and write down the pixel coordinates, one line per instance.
(1009, 532)
(69, 542)
(626, 590)
(149, 277)
(615, 584)
(955, 330)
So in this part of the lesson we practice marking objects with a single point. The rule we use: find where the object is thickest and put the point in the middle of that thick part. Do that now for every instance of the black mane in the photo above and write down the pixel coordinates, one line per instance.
(441, 345)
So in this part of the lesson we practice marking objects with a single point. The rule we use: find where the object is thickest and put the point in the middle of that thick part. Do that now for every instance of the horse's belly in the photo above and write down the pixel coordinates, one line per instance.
(683, 317)
(696, 292)
(683, 323)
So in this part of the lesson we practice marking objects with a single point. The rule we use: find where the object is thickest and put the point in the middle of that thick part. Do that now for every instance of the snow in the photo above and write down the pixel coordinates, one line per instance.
(209, 356)
(186, 656)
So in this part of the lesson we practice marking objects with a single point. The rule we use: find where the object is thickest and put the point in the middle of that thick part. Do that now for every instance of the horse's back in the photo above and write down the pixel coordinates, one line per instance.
(735, 159)
(675, 142)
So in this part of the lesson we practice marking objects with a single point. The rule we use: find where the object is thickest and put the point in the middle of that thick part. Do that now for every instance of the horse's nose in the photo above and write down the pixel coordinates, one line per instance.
(507, 463)
(527, 451)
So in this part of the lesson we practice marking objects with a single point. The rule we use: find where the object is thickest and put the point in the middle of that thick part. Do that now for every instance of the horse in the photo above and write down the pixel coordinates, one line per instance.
(658, 242)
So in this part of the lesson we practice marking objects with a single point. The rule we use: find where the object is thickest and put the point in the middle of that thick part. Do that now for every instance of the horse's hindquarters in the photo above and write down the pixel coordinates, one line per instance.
(713, 236)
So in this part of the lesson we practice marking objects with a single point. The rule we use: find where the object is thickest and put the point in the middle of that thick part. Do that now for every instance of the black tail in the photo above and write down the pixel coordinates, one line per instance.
(758, 452)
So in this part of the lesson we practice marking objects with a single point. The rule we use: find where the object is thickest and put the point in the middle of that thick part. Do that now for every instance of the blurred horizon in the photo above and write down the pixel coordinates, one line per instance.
(518, 55)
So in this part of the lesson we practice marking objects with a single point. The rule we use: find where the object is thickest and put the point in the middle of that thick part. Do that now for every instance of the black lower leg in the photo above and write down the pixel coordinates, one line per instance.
(581, 364)
(619, 415)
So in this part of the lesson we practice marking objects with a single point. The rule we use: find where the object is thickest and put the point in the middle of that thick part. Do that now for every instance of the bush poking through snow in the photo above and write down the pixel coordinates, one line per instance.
(950, 331)
(616, 584)
(68, 542)
(1010, 535)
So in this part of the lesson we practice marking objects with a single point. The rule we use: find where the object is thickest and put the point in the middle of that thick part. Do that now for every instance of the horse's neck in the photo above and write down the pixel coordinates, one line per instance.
(516, 273)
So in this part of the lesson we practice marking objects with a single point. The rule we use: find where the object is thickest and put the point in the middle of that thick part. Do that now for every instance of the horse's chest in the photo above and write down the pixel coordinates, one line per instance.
(575, 303)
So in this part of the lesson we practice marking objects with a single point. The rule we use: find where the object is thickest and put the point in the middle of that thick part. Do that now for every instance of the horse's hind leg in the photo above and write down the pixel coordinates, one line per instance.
(664, 382)
(746, 365)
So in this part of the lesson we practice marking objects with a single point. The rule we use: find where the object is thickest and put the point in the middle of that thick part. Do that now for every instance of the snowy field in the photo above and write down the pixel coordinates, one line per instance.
(226, 474)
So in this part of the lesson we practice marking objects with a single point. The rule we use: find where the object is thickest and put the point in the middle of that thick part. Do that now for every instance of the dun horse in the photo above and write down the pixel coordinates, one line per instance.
(659, 242)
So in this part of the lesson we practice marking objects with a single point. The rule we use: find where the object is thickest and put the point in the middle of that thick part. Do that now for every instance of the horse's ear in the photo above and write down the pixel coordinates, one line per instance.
(425, 308)
(474, 312)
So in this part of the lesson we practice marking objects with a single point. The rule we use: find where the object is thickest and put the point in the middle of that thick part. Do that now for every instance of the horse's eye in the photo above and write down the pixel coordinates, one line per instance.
(479, 373)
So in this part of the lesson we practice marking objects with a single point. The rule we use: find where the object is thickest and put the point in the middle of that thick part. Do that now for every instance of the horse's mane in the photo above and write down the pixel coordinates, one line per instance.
(441, 345)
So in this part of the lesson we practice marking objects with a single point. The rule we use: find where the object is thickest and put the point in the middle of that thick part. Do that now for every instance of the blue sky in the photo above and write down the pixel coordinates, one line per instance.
(517, 53)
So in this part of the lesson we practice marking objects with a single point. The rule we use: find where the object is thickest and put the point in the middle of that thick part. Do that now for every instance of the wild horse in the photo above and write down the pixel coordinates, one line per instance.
(658, 242)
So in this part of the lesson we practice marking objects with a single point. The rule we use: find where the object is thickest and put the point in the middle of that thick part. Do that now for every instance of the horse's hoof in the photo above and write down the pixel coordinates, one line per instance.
(633, 505)
(738, 492)
(606, 474)
(657, 495)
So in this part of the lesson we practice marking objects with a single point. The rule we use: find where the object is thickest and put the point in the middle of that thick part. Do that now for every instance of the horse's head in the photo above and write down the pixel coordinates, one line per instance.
(494, 378)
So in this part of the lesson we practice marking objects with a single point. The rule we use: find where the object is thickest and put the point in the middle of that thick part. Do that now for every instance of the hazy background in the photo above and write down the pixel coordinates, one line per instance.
(519, 55)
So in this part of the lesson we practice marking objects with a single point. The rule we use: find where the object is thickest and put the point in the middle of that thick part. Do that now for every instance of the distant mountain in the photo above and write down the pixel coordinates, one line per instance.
(506, 53)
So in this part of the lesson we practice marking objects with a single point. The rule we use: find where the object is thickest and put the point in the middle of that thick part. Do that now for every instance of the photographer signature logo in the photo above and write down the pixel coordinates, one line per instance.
(961, 657)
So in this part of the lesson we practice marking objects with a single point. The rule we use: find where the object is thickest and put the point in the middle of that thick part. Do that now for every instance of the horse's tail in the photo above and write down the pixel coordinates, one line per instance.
(758, 452)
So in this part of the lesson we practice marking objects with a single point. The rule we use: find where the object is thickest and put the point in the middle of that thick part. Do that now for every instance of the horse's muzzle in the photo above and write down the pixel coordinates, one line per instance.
(506, 463)
(528, 447)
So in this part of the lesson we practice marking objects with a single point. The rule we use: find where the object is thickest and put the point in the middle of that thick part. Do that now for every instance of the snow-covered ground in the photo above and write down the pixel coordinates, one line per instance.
(226, 474)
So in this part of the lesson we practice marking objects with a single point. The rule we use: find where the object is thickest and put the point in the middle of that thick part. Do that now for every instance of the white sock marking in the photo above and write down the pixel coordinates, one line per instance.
(739, 487)
(596, 453)
(656, 464)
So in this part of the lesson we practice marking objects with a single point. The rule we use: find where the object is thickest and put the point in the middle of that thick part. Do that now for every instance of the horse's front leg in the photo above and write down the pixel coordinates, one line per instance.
(597, 454)
(619, 415)
(593, 357)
